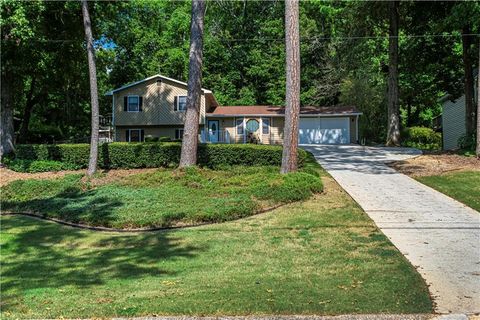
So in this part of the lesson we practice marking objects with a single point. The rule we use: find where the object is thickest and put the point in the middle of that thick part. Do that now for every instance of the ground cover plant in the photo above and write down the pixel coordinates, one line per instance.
(463, 186)
(160, 198)
(320, 256)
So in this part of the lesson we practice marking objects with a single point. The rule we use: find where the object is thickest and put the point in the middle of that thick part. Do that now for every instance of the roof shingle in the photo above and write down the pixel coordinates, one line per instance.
(280, 111)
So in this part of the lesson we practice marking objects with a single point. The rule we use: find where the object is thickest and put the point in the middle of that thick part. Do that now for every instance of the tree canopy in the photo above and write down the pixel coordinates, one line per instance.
(344, 56)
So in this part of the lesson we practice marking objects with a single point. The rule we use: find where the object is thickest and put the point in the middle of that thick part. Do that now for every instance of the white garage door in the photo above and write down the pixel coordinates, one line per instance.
(324, 131)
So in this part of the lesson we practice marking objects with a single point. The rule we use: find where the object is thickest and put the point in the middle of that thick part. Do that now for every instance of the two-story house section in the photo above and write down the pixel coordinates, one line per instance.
(154, 106)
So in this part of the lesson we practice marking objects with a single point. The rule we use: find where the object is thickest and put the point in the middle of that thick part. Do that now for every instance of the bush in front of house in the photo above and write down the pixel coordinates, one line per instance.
(421, 138)
(156, 154)
(34, 166)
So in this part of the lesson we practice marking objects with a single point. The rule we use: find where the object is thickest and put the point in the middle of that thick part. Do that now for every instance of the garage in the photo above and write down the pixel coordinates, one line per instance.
(324, 130)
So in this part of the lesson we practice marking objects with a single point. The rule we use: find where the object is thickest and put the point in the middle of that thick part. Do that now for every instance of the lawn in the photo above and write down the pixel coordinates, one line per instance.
(160, 198)
(463, 186)
(320, 256)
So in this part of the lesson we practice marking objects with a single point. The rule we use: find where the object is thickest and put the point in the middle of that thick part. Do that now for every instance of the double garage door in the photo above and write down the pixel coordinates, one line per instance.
(316, 130)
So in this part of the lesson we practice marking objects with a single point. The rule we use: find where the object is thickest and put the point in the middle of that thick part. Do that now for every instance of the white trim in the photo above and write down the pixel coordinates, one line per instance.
(244, 130)
(128, 102)
(151, 78)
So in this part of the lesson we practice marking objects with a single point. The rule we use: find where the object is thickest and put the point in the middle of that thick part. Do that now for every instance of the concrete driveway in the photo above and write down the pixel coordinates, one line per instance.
(438, 235)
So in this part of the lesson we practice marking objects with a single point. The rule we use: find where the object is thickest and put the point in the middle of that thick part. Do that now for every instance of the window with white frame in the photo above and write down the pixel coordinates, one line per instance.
(265, 125)
(134, 135)
(179, 134)
(133, 104)
(239, 126)
(181, 103)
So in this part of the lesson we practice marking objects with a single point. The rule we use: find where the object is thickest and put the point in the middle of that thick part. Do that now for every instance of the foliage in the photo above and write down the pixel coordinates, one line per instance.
(343, 54)
(462, 186)
(32, 166)
(152, 155)
(467, 142)
(245, 267)
(185, 196)
(422, 138)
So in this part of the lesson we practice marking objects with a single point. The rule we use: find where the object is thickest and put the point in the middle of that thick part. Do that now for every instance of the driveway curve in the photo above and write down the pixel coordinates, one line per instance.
(437, 234)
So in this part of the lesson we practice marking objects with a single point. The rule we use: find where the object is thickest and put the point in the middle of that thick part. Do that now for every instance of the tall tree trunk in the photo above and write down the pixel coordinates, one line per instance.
(190, 136)
(292, 108)
(6, 124)
(92, 70)
(27, 112)
(478, 106)
(393, 134)
(467, 41)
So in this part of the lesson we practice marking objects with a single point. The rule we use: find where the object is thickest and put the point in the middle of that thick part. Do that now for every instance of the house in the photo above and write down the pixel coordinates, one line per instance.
(453, 120)
(156, 107)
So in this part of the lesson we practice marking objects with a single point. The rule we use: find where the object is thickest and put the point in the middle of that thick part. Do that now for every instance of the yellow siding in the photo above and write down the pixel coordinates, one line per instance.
(158, 108)
(149, 131)
(275, 136)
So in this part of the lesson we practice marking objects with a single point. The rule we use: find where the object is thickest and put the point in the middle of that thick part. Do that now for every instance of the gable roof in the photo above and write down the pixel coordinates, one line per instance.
(223, 111)
(159, 76)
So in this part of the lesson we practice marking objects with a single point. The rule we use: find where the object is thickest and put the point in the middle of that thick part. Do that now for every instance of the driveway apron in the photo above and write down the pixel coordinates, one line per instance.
(437, 234)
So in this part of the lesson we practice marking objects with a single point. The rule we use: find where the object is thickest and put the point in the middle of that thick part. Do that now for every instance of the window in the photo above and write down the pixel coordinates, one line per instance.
(239, 125)
(265, 125)
(181, 103)
(133, 104)
(134, 135)
(179, 134)
(252, 125)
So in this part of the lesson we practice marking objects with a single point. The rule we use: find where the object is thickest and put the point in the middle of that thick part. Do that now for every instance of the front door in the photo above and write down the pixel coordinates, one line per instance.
(213, 132)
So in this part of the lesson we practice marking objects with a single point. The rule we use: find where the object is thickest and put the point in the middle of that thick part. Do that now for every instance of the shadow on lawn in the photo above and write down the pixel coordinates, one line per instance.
(71, 204)
(46, 256)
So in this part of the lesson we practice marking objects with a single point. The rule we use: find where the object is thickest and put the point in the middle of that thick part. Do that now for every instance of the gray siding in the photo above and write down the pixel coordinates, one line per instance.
(453, 122)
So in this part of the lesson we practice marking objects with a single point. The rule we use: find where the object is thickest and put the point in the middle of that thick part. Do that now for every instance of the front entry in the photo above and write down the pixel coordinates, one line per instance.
(213, 132)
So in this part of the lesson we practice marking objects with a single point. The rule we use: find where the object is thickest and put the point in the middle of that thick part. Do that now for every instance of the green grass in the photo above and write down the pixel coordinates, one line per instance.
(161, 198)
(320, 256)
(463, 186)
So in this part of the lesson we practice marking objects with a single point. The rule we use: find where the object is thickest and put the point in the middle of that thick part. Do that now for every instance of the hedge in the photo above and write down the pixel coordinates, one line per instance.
(421, 138)
(157, 154)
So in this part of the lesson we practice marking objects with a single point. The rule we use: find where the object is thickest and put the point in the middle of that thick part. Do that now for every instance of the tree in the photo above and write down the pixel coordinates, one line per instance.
(467, 42)
(292, 97)
(393, 133)
(478, 106)
(190, 137)
(92, 70)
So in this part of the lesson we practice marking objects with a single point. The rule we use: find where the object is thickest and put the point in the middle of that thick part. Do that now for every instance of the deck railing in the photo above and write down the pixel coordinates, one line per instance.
(217, 136)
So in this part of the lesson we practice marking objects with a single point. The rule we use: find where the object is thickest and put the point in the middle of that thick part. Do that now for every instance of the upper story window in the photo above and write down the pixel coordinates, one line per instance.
(265, 125)
(132, 103)
(181, 103)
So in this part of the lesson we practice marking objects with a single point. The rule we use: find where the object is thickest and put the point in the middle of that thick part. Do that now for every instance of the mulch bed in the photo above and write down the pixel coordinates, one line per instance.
(436, 164)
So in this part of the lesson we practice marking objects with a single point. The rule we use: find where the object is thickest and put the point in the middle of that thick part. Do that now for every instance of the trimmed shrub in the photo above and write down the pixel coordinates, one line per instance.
(151, 139)
(154, 154)
(421, 138)
(33, 166)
